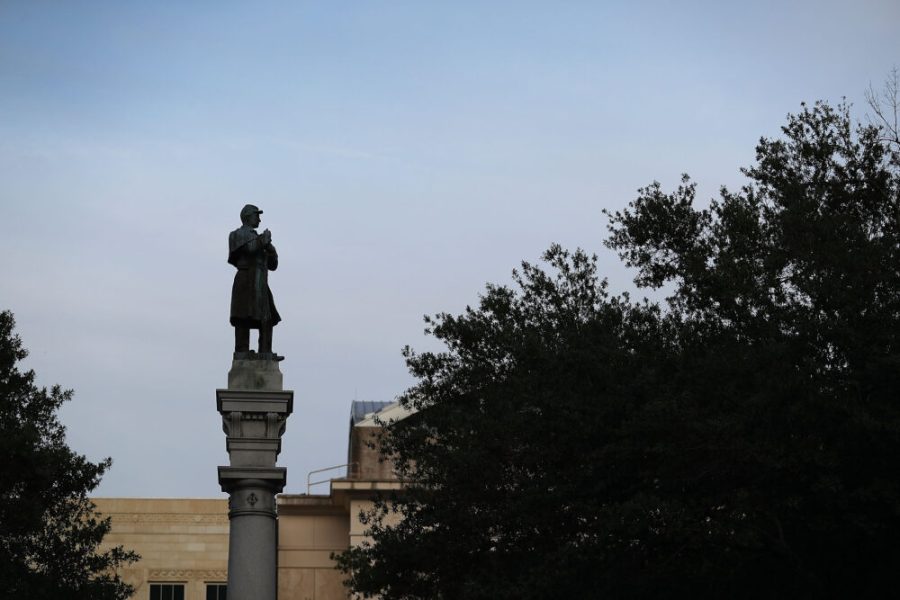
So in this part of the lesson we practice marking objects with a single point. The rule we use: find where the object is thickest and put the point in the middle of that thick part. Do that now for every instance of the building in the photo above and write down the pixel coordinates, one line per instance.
(183, 542)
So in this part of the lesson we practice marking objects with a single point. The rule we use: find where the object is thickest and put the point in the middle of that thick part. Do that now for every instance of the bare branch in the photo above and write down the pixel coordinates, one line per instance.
(886, 106)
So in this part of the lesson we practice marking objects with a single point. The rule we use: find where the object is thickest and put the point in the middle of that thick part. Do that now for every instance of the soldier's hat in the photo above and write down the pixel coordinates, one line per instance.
(248, 210)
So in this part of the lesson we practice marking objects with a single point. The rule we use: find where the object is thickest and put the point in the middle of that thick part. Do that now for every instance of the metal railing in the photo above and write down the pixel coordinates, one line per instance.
(354, 468)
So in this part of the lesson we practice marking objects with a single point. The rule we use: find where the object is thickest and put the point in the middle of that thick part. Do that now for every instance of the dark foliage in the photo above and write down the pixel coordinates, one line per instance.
(49, 534)
(743, 441)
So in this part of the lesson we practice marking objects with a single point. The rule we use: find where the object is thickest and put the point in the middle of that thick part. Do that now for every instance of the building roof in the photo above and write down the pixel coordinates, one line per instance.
(360, 409)
(363, 414)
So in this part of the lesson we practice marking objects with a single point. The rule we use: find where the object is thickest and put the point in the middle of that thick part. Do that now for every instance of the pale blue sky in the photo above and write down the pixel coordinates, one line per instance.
(404, 153)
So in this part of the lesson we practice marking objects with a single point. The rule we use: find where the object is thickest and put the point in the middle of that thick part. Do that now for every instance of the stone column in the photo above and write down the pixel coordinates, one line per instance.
(254, 411)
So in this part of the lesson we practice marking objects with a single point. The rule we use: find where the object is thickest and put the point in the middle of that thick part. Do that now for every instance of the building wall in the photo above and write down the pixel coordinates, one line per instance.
(310, 529)
(180, 540)
(184, 540)
(364, 454)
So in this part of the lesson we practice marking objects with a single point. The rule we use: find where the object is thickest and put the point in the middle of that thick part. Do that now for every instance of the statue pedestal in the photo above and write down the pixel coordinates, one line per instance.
(254, 411)
(254, 375)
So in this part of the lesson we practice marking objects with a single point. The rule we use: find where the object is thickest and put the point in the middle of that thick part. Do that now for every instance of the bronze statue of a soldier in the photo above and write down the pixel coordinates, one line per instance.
(252, 306)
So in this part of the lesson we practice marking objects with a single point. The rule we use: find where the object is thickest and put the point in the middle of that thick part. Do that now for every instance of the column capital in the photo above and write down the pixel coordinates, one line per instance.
(255, 401)
(274, 478)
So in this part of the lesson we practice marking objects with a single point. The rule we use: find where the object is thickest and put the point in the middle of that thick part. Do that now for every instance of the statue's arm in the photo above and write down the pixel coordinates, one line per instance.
(271, 257)
(252, 242)
(255, 245)
(246, 242)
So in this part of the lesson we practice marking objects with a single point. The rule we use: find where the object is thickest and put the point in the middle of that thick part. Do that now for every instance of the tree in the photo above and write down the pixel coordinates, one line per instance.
(741, 439)
(49, 533)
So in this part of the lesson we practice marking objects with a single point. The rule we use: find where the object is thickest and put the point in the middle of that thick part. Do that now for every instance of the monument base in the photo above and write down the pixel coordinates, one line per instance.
(254, 411)
(254, 374)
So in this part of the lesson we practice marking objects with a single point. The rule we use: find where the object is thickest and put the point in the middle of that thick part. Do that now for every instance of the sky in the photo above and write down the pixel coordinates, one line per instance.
(404, 154)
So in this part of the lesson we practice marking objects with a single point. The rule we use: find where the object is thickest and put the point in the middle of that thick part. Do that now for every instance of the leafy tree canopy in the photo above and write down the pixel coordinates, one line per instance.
(741, 439)
(49, 533)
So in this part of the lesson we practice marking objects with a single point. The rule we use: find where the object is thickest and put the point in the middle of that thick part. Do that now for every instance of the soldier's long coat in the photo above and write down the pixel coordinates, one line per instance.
(252, 304)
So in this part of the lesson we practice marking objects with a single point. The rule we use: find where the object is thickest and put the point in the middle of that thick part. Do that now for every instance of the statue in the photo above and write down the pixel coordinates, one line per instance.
(252, 306)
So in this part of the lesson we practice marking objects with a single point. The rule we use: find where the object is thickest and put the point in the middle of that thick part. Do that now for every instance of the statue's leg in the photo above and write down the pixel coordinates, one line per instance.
(265, 339)
(242, 339)
(265, 344)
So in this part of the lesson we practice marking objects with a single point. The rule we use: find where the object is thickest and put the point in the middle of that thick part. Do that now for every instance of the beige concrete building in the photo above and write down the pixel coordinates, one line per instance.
(183, 542)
